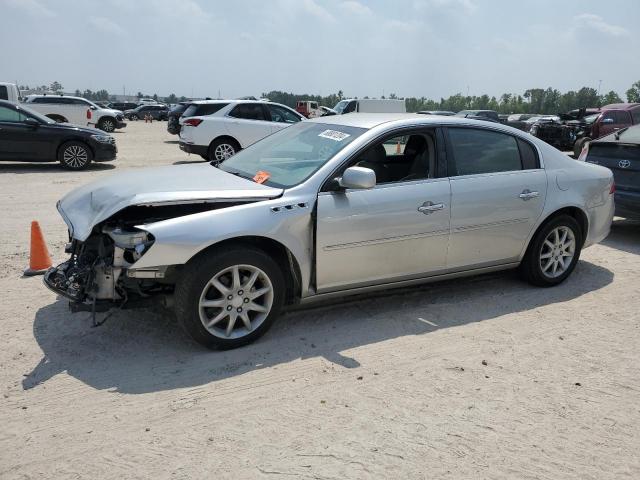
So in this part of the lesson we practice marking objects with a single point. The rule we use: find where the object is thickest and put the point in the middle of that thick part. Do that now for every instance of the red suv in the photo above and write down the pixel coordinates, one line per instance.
(612, 117)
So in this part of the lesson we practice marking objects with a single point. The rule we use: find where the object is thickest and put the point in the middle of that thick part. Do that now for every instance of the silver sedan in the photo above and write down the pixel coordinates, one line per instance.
(332, 206)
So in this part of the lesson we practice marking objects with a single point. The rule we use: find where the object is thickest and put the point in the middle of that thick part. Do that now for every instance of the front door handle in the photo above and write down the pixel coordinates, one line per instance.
(429, 207)
(528, 195)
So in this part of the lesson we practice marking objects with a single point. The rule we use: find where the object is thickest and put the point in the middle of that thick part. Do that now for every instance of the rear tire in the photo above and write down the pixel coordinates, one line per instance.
(229, 298)
(553, 252)
(75, 155)
(221, 149)
(577, 147)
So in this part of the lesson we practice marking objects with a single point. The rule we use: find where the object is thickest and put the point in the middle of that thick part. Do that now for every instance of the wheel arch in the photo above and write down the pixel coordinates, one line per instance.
(225, 137)
(74, 139)
(285, 259)
(573, 211)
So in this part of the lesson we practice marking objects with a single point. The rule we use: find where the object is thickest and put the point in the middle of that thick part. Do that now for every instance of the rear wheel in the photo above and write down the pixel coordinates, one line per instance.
(229, 298)
(553, 252)
(580, 143)
(223, 148)
(75, 155)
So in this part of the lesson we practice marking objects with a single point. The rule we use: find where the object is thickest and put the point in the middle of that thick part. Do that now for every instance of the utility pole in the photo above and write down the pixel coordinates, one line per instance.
(599, 85)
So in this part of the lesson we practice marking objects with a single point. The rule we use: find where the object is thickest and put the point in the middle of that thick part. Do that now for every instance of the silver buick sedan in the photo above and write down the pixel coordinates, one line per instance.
(332, 206)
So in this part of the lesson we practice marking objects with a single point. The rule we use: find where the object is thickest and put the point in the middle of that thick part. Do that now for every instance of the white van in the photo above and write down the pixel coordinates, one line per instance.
(370, 105)
(10, 92)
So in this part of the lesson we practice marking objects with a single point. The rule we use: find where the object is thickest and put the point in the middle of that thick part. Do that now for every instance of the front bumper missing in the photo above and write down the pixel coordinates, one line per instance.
(57, 281)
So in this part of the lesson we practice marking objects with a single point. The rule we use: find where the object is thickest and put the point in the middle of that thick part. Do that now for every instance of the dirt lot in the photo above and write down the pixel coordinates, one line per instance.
(480, 378)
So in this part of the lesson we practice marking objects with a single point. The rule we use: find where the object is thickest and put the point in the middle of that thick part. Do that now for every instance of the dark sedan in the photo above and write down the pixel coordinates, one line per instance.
(27, 136)
(620, 152)
(157, 112)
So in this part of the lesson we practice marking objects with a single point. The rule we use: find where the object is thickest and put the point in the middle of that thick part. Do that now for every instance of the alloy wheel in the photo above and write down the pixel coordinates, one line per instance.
(108, 126)
(75, 156)
(557, 251)
(236, 301)
(223, 151)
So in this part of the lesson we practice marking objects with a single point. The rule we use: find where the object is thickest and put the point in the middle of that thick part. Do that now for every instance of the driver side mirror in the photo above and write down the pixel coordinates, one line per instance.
(92, 107)
(359, 178)
(32, 122)
(607, 120)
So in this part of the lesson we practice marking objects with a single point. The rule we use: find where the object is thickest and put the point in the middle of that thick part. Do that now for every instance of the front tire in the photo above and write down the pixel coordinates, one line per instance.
(229, 298)
(222, 149)
(553, 252)
(107, 125)
(75, 155)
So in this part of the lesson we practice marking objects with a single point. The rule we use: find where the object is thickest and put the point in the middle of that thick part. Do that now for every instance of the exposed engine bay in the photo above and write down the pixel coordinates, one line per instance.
(97, 276)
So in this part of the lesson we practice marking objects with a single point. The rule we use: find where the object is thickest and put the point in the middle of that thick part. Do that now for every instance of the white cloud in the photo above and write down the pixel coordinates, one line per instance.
(356, 8)
(311, 7)
(31, 7)
(597, 23)
(464, 6)
(106, 25)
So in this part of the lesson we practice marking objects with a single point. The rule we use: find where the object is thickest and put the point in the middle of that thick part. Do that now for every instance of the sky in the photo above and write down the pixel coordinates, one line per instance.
(430, 48)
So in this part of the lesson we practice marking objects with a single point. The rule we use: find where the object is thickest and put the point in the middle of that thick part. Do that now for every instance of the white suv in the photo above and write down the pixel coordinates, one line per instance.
(217, 129)
(76, 110)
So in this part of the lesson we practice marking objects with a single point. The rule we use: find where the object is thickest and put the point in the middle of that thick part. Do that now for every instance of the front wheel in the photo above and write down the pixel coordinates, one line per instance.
(75, 155)
(229, 298)
(553, 252)
(107, 125)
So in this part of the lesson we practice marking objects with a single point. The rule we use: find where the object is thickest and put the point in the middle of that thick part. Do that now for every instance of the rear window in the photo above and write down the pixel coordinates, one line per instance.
(197, 110)
(614, 152)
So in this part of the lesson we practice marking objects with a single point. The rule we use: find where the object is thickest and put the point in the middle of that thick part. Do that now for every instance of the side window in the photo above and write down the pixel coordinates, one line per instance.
(624, 117)
(282, 115)
(4, 93)
(528, 155)
(635, 114)
(248, 111)
(477, 151)
(351, 107)
(401, 158)
(10, 115)
(78, 101)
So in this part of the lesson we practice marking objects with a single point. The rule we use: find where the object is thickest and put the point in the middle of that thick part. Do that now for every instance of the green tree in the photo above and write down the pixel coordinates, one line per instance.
(633, 94)
(609, 98)
(55, 87)
(171, 99)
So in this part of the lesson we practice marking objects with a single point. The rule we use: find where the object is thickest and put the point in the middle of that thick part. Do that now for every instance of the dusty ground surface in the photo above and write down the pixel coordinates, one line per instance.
(479, 378)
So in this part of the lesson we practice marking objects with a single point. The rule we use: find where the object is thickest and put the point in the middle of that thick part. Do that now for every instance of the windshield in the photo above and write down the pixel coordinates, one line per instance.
(36, 115)
(292, 155)
(340, 106)
(591, 118)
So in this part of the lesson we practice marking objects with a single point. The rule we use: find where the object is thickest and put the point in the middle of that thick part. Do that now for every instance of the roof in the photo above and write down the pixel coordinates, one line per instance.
(370, 120)
(620, 106)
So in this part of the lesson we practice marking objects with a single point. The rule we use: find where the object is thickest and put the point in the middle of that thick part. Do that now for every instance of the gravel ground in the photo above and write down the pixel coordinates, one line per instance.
(479, 378)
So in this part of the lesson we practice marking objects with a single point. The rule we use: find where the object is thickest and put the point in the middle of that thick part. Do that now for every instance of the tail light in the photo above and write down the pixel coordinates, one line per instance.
(584, 152)
(612, 190)
(88, 114)
(193, 122)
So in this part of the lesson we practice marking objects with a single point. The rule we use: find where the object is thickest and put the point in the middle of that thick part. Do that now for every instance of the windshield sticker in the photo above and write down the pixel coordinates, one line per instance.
(261, 176)
(334, 135)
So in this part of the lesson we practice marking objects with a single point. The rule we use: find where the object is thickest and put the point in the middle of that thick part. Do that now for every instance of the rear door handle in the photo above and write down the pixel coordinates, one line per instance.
(429, 207)
(528, 195)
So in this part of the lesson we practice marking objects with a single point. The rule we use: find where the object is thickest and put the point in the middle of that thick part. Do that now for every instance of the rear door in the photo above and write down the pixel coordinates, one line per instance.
(248, 123)
(497, 195)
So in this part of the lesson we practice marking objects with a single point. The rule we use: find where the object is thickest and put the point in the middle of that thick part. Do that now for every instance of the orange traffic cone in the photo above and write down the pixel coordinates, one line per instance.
(39, 260)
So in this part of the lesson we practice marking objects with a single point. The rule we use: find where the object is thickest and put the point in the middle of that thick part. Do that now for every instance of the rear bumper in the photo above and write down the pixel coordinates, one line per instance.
(191, 148)
(627, 204)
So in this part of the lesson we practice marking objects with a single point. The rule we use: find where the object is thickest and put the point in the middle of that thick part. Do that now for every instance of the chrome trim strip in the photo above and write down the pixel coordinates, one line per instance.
(489, 225)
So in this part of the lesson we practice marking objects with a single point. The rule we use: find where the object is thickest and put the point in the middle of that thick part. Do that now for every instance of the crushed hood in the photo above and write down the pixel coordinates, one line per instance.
(86, 206)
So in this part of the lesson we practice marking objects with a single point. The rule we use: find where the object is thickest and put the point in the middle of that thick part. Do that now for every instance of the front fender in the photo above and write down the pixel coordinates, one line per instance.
(178, 240)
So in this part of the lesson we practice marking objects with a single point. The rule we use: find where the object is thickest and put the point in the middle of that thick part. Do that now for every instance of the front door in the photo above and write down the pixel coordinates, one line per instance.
(613, 120)
(397, 230)
(497, 195)
(19, 140)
